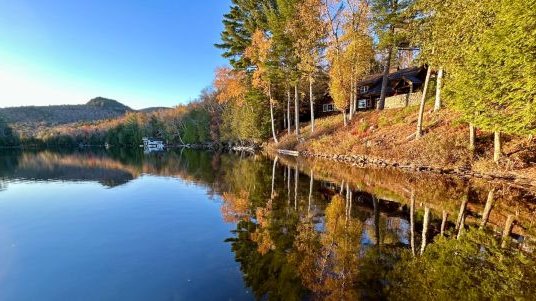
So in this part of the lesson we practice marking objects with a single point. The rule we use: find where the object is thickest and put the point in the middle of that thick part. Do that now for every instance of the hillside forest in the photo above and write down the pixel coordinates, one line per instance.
(285, 55)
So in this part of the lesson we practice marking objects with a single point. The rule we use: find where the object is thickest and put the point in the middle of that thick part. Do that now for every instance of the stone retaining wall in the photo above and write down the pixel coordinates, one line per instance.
(399, 101)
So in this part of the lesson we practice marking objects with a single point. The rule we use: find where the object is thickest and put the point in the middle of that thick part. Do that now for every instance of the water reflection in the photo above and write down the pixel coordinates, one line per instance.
(320, 230)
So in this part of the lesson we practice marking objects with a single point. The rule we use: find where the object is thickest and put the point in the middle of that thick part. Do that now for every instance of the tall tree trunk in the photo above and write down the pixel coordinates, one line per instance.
(497, 147)
(351, 98)
(297, 109)
(472, 136)
(347, 203)
(312, 101)
(426, 221)
(289, 171)
(289, 123)
(439, 82)
(345, 122)
(272, 115)
(296, 176)
(487, 208)
(444, 222)
(412, 223)
(418, 134)
(350, 199)
(273, 176)
(385, 80)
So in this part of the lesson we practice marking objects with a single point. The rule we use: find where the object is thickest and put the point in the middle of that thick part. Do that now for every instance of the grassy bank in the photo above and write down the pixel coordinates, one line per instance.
(389, 135)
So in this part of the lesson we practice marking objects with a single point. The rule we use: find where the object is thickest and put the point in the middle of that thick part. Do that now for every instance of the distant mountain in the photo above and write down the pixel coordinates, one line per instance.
(109, 104)
(153, 109)
(96, 109)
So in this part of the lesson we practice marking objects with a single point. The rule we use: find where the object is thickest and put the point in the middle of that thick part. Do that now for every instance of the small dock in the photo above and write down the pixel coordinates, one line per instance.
(288, 152)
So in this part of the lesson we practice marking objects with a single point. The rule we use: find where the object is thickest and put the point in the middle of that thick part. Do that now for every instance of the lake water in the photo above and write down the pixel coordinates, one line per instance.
(194, 225)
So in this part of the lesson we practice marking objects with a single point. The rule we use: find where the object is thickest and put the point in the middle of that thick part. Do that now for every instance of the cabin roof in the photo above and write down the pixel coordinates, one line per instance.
(407, 73)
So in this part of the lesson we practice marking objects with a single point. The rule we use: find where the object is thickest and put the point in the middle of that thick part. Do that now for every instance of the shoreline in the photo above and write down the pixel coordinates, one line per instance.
(369, 161)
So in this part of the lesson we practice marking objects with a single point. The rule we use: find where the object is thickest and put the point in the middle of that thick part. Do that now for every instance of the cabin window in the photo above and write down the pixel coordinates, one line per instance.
(329, 107)
(362, 104)
(363, 89)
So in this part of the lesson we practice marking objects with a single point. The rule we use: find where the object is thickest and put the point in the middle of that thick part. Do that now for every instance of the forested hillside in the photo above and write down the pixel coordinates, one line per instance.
(29, 121)
(96, 109)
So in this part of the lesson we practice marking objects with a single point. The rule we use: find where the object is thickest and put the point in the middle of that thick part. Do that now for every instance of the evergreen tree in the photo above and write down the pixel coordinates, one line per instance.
(244, 17)
(389, 20)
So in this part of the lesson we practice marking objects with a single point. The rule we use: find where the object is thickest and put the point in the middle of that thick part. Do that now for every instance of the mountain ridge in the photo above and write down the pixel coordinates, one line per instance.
(99, 108)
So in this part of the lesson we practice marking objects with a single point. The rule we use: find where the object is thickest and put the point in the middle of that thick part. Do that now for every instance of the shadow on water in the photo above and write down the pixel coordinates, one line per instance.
(320, 230)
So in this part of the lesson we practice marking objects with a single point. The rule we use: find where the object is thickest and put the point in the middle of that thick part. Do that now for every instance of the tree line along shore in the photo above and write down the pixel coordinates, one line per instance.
(323, 75)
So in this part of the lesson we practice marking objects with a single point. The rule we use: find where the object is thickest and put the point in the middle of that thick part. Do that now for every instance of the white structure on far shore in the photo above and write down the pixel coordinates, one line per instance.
(153, 144)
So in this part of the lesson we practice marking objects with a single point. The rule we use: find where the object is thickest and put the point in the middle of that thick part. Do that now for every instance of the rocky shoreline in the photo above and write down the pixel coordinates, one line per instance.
(251, 148)
(368, 161)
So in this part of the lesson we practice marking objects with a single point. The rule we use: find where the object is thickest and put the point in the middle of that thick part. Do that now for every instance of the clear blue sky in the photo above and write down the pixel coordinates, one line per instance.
(140, 52)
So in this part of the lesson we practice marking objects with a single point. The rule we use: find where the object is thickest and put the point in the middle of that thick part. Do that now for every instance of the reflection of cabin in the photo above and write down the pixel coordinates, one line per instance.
(153, 144)
(403, 88)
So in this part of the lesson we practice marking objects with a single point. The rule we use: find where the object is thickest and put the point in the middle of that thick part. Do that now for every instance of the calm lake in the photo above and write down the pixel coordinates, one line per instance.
(195, 225)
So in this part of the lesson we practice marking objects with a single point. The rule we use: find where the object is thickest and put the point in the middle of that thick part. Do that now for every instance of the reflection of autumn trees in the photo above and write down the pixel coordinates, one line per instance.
(235, 207)
(444, 196)
(328, 262)
(261, 236)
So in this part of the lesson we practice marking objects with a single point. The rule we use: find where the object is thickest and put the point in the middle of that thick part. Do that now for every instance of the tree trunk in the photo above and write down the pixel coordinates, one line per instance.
(472, 136)
(288, 113)
(312, 101)
(385, 80)
(462, 226)
(507, 230)
(487, 208)
(439, 82)
(444, 222)
(272, 115)
(460, 222)
(418, 134)
(310, 193)
(289, 171)
(409, 94)
(426, 221)
(351, 98)
(345, 122)
(296, 175)
(351, 197)
(297, 109)
(347, 203)
(376, 205)
(497, 147)
(461, 214)
(412, 223)
(273, 176)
